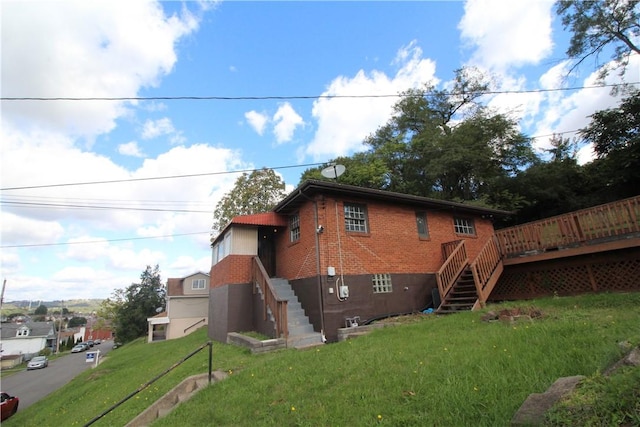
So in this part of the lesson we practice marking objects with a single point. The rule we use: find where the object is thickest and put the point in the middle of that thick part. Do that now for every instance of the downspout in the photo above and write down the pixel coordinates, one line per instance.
(318, 273)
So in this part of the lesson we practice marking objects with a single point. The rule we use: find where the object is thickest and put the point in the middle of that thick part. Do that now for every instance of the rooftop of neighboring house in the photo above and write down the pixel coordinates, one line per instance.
(175, 286)
(35, 329)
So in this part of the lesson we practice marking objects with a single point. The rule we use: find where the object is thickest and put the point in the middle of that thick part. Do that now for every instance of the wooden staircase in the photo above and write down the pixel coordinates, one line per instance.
(461, 296)
(464, 286)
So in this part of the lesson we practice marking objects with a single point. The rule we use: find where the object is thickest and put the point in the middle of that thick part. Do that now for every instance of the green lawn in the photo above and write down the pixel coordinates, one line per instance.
(452, 370)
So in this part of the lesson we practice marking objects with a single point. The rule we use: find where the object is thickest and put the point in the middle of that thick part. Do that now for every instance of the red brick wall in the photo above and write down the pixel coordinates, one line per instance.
(232, 269)
(392, 244)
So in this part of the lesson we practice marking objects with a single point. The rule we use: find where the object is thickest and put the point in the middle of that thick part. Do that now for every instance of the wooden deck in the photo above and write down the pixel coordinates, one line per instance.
(601, 228)
(590, 250)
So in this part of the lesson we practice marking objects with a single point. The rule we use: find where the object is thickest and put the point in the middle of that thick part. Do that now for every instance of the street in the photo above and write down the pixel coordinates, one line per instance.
(31, 386)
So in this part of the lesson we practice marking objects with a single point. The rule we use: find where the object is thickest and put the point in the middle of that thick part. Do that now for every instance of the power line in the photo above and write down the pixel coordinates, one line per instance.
(99, 207)
(197, 175)
(102, 241)
(291, 97)
(153, 178)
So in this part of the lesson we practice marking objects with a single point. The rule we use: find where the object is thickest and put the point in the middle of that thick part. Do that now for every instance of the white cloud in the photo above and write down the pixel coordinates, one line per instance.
(343, 123)
(83, 49)
(21, 230)
(507, 33)
(130, 149)
(257, 121)
(155, 128)
(286, 121)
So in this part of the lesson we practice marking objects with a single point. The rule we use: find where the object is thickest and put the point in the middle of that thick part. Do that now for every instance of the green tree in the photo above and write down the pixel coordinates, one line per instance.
(76, 321)
(361, 169)
(549, 187)
(252, 193)
(447, 144)
(139, 302)
(615, 135)
(598, 24)
(41, 310)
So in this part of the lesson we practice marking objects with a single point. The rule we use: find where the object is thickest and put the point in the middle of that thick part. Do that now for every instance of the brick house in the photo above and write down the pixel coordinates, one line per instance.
(342, 253)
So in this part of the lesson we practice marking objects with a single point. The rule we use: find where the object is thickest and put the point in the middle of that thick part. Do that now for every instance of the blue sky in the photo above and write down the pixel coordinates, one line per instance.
(84, 241)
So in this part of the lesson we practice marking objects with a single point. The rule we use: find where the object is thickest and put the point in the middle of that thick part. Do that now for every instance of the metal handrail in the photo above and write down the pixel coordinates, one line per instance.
(197, 323)
(144, 386)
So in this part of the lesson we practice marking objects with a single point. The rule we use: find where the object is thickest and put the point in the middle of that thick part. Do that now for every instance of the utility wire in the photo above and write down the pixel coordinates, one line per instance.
(103, 241)
(98, 207)
(262, 98)
(153, 178)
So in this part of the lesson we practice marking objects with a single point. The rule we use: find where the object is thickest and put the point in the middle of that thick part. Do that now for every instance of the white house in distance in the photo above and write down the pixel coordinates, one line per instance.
(27, 339)
(187, 308)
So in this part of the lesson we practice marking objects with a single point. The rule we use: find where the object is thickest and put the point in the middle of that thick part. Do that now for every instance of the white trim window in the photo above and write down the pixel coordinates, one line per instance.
(382, 283)
(355, 218)
(464, 226)
(198, 284)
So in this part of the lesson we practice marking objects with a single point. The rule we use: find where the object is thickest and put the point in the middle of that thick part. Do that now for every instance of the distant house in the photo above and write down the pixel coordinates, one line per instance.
(187, 308)
(27, 338)
(338, 254)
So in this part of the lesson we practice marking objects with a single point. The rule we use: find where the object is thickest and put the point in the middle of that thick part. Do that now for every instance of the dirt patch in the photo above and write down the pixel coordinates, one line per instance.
(510, 315)
(97, 374)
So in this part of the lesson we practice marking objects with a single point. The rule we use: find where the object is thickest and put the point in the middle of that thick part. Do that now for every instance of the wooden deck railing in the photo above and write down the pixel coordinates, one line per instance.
(573, 229)
(277, 306)
(486, 269)
(451, 269)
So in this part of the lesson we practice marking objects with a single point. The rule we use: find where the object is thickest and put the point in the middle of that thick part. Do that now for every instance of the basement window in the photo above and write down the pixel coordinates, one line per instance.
(355, 218)
(464, 226)
(382, 283)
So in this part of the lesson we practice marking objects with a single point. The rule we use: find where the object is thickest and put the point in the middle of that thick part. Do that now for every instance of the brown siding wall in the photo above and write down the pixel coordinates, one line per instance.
(230, 307)
(411, 293)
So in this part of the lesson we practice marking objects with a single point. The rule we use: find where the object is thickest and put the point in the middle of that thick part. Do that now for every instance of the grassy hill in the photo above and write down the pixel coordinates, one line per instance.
(452, 370)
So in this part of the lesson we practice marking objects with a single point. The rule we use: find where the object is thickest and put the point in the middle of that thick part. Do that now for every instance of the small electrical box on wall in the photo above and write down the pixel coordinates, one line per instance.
(344, 291)
(331, 271)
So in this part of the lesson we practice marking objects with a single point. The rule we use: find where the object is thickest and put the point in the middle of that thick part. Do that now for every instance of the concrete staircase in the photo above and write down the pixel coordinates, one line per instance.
(180, 393)
(301, 333)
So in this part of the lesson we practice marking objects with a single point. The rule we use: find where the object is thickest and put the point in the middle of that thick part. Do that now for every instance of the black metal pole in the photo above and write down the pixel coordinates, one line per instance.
(210, 359)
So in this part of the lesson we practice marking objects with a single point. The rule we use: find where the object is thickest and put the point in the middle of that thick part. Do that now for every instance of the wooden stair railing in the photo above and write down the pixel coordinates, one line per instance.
(277, 305)
(487, 268)
(453, 266)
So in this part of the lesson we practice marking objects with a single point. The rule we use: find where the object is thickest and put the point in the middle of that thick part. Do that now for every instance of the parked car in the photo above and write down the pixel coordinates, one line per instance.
(90, 343)
(79, 348)
(98, 341)
(8, 405)
(38, 362)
